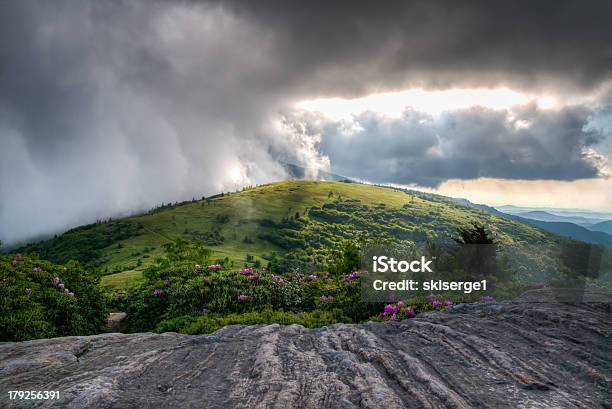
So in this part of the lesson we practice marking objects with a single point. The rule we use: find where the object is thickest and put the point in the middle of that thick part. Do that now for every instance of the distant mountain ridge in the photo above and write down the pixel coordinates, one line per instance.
(605, 227)
(550, 217)
(570, 230)
(562, 228)
(565, 222)
(555, 224)
(582, 217)
(567, 212)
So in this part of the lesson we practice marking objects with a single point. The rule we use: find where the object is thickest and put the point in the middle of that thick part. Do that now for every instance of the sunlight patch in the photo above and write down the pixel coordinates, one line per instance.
(431, 102)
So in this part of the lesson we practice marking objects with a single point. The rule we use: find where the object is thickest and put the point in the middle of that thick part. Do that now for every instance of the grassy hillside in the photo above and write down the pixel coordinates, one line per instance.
(269, 221)
(290, 253)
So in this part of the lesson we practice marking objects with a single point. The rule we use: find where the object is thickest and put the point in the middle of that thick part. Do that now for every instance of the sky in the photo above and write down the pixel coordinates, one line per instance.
(110, 108)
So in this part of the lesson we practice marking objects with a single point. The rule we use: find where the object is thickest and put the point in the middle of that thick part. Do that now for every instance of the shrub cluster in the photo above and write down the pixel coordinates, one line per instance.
(39, 299)
(185, 292)
(208, 323)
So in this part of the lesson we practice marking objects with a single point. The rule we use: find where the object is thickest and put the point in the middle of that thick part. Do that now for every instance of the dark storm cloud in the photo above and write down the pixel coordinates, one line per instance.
(523, 143)
(111, 107)
(349, 47)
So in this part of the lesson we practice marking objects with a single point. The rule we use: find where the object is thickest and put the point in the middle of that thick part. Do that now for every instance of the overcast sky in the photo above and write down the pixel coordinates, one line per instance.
(110, 107)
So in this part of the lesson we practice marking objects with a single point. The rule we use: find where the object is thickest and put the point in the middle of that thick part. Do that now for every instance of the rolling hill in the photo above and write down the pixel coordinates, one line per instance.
(550, 217)
(605, 227)
(565, 212)
(571, 230)
(582, 217)
(263, 222)
(571, 225)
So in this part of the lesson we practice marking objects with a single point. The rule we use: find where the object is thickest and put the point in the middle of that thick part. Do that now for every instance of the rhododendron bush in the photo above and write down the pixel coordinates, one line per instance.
(188, 291)
(39, 299)
(181, 295)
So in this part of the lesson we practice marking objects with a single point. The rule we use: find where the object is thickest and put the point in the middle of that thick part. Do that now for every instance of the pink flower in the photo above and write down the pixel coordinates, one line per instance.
(390, 309)
(312, 277)
(166, 282)
(198, 267)
(71, 294)
(254, 276)
(66, 290)
(487, 298)
(14, 263)
(393, 317)
(61, 285)
(37, 269)
(448, 303)
(19, 256)
(206, 281)
(242, 298)
(214, 267)
(436, 303)
(28, 290)
(400, 303)
(410, 312)
(350, 277)
(158, 293)
(205, 311)
(246, 271)
(57, 280)
(278, 279)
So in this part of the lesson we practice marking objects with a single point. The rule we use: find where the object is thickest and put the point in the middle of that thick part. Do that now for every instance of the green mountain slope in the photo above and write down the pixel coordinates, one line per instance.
(269, 221)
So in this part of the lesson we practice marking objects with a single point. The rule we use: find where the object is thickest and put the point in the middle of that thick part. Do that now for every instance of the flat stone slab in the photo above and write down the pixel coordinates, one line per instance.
(539, 351)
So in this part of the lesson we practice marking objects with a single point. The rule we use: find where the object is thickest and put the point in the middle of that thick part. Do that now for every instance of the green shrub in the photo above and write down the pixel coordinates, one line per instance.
(180, 287)
(33, 306)
(206, 324)
(177, 324)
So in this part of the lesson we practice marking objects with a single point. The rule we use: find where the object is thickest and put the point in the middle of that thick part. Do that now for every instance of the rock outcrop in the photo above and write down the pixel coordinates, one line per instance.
(535, 352)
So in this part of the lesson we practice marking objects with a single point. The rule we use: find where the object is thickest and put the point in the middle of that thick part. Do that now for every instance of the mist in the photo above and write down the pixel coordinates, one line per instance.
(129, 106)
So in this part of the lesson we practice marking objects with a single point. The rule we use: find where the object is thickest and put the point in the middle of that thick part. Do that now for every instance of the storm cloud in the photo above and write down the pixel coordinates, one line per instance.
(350, 48)
(113, 107)
(107, 108)
(522, 143)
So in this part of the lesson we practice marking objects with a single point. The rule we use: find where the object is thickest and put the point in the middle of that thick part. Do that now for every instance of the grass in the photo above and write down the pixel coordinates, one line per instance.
(123, 280)
(273, 201)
